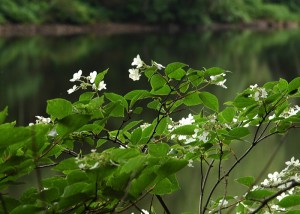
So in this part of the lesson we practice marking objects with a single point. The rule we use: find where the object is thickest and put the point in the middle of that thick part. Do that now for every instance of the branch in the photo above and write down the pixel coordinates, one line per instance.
(163, 204)
(267, 200)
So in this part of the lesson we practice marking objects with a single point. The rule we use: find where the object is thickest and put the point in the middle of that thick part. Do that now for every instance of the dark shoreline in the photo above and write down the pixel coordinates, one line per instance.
(11, 30)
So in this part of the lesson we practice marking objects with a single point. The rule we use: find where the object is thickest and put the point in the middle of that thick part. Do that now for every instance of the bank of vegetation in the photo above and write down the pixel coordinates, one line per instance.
(188, 12)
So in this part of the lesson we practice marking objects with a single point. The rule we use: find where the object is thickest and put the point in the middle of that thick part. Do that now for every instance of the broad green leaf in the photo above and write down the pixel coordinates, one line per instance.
(185, 130)
(209, 100)
(100, 76)
(76, 176)
(177, 75)
(134, 164)
(141, 183)
(3, 115)
(50, 195)
(100, 142)
(71, 123)
(294, 85)
(155, 104)
(243, 100)
(192, 99)
(114, 109)
(165, 90)
(293, 212)
(136, 136)
(289, 201)
(171, 166)
(86, 96)
(136, 93)
(162, 126)
(214, 71)
(157, 82)
(59, 108)
(158, 149)
(259, 194)
(27, 209)
(247, 181)
(228, 114)
(74, 189)
(238, 132)
(173, 67)
(166, 186)
(117, 98)
(131, 125)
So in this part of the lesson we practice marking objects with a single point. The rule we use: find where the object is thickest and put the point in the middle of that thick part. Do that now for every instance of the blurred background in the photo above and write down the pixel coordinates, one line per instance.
(257, 40)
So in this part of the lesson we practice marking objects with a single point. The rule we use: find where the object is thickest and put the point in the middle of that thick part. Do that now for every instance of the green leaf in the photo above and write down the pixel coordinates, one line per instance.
(117, 98)
(173, 67)
(162, 126)
(27, 209)
(294, 85)
(114, 109)
(76, 176)
(209, 100)
(100, 76)
(192, 99)
(166, 186)
(214, 71)
(71, 123)
(293, 212)
(178, 74)
(165, 90)
(243, 100)
(157, 82)
(171, 166)
(247, 181)
(86, 96)
(59, 108)
(238, 132)
(74, 189)
(289, 201)
(136, 136)
(228, 114)
(259, 194)
(158, 149)
(185, 130)
(136, 95)
(3, 115)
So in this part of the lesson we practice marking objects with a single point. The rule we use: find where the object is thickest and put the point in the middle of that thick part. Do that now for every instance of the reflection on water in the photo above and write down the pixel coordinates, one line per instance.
(35, 69)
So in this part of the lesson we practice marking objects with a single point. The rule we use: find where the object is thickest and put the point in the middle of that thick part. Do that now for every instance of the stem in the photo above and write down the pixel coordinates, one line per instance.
(267, 200)
(5, 211)
(163, 204)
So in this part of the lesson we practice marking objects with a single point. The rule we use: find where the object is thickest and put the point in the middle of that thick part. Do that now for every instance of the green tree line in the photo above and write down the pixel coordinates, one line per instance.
(188, 12)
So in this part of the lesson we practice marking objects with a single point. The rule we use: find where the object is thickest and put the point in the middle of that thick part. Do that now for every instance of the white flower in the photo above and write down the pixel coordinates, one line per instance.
(187, 121)
(42, 120)
(293, 162)
(203, 137)
(145, 125)
(264, 93)
(272, 117)
(95, 165)
(190, 164)
(159, 66)
(76, 76)
(92, 76)
(134, 74)
(145, 211)
(281, 196)
(223, 202)
(100, 87)
(81, 166)
(71, 90)
(253, 86)
(219, 80)
(137, 61)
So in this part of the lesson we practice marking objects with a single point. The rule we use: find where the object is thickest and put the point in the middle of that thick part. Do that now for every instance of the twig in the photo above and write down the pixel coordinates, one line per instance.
(163, 204)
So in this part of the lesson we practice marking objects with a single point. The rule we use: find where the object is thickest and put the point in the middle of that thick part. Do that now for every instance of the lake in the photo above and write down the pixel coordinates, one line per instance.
(37, 68)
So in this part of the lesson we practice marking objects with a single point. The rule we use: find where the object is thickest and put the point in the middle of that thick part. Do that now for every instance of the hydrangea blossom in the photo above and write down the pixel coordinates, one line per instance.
(71, 90)
(258, 93)
(92, 76)
(76, 76)
(137, 62)
(134, 74)
(41, 120)
(100, 87)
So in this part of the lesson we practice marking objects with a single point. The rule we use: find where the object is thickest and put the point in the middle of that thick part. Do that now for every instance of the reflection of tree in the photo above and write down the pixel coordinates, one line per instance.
(40, 67)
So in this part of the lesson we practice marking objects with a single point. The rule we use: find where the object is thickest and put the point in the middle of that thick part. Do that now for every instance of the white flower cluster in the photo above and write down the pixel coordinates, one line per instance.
(41, 120)
(135, 73)
(219, 80)
(292, 111)
(143, 212)
(86, 81)
(199, 134)
(258, 92)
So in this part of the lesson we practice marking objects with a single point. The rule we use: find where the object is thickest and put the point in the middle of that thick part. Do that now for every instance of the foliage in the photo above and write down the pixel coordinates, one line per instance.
(149, 11)
(103, 169)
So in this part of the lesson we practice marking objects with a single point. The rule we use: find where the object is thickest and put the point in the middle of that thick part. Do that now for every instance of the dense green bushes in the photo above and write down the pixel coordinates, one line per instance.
(149, 11)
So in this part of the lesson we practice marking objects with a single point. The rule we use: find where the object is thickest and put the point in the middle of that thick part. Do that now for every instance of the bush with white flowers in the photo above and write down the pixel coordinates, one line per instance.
(100, 169)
